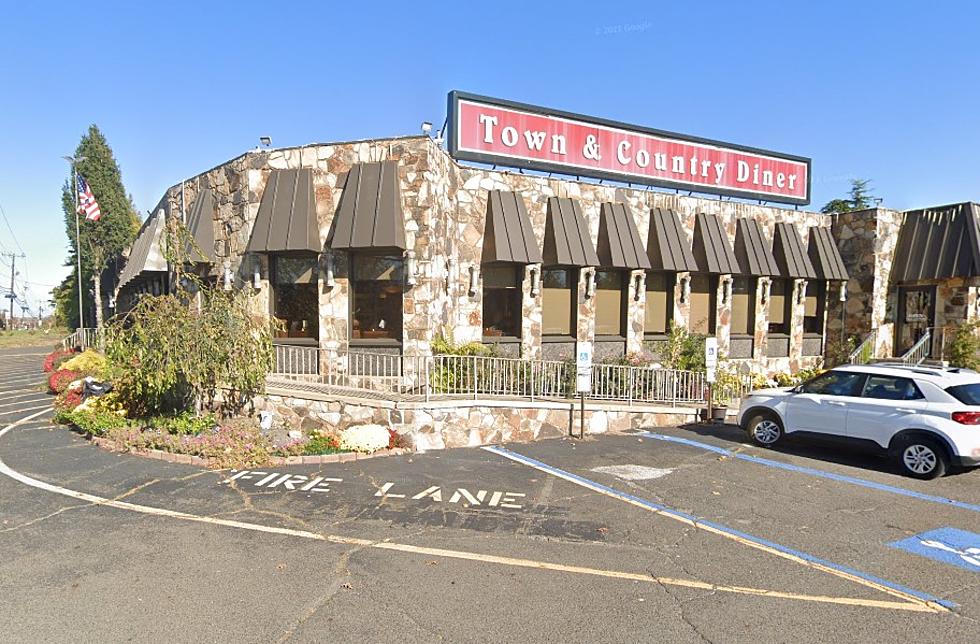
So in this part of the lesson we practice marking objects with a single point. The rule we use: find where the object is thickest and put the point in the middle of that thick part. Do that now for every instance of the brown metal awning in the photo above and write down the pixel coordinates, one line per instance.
(619, 241)
(752, 249)
(712, 251)
(667, 245)
(938, 243)
(567, 241)
(146, 254)
(790, 255)
(509, 236)
(824, 255)
(369, 215)
(286, 220)
(200, 225)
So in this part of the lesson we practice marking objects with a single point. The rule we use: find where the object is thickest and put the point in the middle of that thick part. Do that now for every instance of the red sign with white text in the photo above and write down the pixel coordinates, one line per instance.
(505, 133)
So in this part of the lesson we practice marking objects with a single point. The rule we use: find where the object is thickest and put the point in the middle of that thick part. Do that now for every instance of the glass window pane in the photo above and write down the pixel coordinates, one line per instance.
(659, 300)
(779, 300)
(558, 293)
(296, 310)
(294, 270)
(702, 305)
(836, 383)
(813, 308)
(743, 305)
(889, 388)
(377, 298)
(373, 267)
(502, 294)
(502, 276)
(609, 318)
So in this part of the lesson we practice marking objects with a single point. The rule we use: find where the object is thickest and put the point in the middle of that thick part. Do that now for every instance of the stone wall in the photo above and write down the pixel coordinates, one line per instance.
(439, 425)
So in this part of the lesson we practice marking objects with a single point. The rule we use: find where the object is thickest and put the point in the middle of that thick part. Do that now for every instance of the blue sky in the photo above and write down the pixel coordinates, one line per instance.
(888, 91)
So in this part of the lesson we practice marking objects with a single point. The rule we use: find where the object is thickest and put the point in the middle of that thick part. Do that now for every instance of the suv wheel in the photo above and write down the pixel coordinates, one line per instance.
(922, 458)
(765, 430)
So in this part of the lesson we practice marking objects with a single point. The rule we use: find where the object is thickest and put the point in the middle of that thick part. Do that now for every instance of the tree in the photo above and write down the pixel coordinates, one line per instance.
(100, 241)
(859, 198)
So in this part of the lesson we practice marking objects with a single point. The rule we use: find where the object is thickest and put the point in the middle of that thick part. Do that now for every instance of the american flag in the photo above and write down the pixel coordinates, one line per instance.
(87, 204)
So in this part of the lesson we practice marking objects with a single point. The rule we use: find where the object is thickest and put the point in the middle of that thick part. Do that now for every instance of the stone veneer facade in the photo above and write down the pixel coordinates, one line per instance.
(444, 206)
(867, 240)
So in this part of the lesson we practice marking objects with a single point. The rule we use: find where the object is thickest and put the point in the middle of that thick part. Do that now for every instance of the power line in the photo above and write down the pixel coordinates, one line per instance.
(12, 235)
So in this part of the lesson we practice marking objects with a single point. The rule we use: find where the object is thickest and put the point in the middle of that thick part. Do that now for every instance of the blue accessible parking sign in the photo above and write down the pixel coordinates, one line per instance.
(949, 545)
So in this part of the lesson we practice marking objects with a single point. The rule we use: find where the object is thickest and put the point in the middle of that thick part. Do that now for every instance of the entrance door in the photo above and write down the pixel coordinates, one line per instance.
(916, 313)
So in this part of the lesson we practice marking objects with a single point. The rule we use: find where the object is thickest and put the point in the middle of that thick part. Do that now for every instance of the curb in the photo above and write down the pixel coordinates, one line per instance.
(187, 459)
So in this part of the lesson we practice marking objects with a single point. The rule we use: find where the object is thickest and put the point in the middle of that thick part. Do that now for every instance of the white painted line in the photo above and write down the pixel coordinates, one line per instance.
(18, 411)
(25, 394)
(23, 402)
(451, 554)
(24, 355)
(633, 472)
(934, 604)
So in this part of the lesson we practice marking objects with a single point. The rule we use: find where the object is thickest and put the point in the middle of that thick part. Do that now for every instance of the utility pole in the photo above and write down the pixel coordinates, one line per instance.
(73, 161)
(13, 274)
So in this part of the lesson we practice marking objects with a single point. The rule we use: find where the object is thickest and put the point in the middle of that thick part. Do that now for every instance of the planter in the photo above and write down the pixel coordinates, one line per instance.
(718, 414)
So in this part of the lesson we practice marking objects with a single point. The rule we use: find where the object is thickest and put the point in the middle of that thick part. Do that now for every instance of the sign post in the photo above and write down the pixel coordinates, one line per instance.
(583, 378)
(710, 363)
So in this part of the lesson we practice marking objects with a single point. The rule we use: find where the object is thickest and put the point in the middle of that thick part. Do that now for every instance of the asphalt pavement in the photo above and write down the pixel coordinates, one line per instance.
(676, 535)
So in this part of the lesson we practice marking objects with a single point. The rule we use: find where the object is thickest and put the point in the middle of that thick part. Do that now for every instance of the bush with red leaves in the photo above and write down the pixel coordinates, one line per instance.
(68, 400)
(56, 358)
(58, 381)
(394, 439)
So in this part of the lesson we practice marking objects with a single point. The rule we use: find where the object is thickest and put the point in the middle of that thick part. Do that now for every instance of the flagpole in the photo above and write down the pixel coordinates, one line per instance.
(78, 237)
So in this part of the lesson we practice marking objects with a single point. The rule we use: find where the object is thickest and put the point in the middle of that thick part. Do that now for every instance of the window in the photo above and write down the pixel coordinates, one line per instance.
(559, 293)
(967, 394)
(891, 388)
(377, 286)
(502, 312)
(835, 383)
(813, 309)
(743, 306)
(704, 292)
(610, 297)
(780, 300)
(295, 303)
(659, 306)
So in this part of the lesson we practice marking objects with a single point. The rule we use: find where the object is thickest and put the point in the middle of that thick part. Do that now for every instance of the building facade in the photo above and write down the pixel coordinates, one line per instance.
(382, 246)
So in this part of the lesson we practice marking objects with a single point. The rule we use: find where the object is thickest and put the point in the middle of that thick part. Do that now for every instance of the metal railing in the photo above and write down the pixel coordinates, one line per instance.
(476, 377)
(864, 352)
(372, 372)
(920, 350)
(83, 338)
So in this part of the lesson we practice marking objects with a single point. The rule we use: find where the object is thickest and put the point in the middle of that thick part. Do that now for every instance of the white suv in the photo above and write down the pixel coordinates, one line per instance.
(925, 418)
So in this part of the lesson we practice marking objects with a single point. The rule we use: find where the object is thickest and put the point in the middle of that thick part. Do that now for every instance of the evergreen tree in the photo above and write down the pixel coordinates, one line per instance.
(100, 241)
(859, 198)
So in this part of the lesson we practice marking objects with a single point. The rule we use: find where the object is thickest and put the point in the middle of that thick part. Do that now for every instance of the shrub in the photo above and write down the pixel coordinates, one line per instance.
(89, 363)
(186, 423)
(59, 380)
(68, 400)
(165, 356)
(682, 350)
(94, 422)
(364, 438)
(56, 358)
(108, 403)
(964, 347)
(321, 444)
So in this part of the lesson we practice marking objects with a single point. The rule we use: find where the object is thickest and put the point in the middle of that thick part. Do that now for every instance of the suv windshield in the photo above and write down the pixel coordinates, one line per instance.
(966, 394)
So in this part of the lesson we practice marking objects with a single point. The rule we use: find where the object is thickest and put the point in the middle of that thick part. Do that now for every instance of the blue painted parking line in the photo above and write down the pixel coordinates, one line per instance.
(815, 472)
(948, 545)
(718, 528)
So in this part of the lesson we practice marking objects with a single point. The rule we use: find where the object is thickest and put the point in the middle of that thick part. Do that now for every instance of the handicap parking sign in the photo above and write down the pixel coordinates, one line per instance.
(948, 545)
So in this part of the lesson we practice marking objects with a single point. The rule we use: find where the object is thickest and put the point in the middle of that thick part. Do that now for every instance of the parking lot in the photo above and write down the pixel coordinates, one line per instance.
(673, 534)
